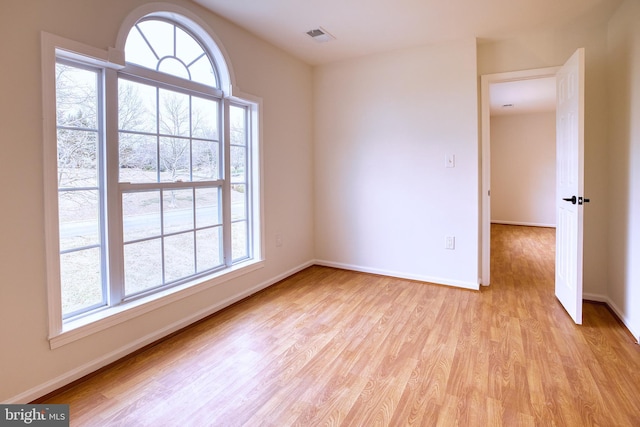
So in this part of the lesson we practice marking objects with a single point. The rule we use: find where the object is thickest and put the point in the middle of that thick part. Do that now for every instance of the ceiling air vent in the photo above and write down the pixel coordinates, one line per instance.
(320, 35)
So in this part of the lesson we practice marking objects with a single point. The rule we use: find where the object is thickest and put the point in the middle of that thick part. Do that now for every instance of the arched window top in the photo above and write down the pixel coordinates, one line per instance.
(169, 48)
(192, 25)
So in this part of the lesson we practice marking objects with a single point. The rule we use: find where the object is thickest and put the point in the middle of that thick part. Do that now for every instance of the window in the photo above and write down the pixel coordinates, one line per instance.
(80, 188)
(156, 174)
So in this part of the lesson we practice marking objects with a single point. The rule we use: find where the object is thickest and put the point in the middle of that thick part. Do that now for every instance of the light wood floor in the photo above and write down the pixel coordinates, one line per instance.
(338, 348)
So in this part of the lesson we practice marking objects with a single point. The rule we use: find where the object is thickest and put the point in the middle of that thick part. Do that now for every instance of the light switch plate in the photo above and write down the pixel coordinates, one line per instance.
(449, 242)
(450, 161)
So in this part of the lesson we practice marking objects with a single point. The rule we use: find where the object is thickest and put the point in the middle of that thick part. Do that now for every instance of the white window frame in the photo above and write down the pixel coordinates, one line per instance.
(111, 61)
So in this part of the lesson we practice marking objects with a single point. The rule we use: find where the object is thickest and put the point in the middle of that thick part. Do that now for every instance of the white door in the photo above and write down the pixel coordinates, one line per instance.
(570, 184)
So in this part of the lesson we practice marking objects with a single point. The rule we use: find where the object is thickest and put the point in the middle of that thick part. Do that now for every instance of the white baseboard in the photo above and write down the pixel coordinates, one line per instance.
(616, 310)
(436, 280)
(526, 224)
(94, 365)
(595, 297)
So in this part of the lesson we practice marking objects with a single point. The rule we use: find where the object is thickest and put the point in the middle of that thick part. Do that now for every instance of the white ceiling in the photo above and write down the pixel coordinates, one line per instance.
(363, 27)
(523, 96)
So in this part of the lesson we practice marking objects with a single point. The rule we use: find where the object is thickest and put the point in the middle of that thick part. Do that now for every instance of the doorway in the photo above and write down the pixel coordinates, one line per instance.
(532, 80)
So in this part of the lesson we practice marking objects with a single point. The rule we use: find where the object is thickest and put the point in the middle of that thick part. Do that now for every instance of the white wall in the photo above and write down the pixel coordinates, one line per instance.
(624, 164)
(27, 366)
(550, 49)
(523, 169)
(384, 199)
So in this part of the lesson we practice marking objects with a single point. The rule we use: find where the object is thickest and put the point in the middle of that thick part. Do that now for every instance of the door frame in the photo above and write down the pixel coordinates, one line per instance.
(485, 214)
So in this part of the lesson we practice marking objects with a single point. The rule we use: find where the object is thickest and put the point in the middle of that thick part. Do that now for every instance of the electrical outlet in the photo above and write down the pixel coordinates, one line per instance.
(449, 242)
(278, 240)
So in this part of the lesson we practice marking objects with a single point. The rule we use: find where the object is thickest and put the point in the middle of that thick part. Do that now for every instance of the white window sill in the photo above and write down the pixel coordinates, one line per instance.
(103, 319)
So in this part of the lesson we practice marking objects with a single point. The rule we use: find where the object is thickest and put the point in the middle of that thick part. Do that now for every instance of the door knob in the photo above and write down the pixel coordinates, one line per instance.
(572, 199)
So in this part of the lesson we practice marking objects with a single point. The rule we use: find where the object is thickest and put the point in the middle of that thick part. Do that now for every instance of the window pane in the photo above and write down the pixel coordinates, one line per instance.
(204, 118)
(179, 256)
(209, 249)
(137, 50)
(174, 67)
(187, 49)
(238, 201)
(141, 215)
(79, 216)
(206, 160)
(174, 113)
(81, 280)
(136, 107)
(238, 119)
(207, 207)
(76, 97)
(239, 240)
(142, 266)
(178, 210)
(138, 158)
(202, 72)
(77, 158)
(174, 159)
(160, 35)
(238, 164)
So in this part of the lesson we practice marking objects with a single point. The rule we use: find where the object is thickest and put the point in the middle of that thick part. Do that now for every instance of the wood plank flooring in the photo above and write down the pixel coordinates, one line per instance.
(329, 347)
